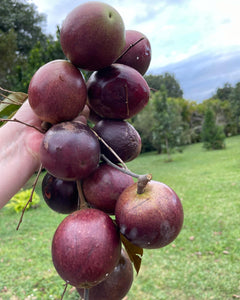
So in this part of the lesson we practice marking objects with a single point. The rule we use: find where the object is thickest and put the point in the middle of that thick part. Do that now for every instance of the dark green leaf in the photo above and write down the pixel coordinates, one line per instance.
(9, 111)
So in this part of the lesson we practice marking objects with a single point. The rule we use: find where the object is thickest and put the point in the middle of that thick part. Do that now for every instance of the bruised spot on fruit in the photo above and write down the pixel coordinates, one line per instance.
(61, 78)
(123, 229)
(58, 149)
(45, 144)
(166, 230)
(47, 194)
(133, 233)
(70, 126)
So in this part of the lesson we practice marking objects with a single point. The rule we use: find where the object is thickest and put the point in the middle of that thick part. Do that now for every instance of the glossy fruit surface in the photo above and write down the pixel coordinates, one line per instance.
(117, 92)
(70, 151)
(139, 56)
(61, 196)
(121, 136)
(103, 187)
(86, 247)
(57, 92)
(116, 285)
(152, 219)
(93, 35)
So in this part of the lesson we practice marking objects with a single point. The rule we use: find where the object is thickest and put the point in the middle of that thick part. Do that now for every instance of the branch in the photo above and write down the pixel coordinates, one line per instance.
(18, 121)
(142, 179)
(86, 294)
(126, 171)
(130, 46)
(109, 148)
(31, 196)
(65, 289)
(4, 90)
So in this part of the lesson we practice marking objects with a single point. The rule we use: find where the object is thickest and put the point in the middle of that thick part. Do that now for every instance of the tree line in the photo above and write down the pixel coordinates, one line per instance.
(171, 122)
(168, 122)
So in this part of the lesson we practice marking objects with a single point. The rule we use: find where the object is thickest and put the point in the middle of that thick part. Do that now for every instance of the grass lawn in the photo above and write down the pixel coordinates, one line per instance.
(202, 263)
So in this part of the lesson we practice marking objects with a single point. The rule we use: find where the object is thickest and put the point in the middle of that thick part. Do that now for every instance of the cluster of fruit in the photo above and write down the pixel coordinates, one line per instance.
(86, 173)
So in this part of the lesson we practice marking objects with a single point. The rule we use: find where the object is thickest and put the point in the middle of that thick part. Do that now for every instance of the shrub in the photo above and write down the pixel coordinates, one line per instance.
(212, 135)
(19, 201)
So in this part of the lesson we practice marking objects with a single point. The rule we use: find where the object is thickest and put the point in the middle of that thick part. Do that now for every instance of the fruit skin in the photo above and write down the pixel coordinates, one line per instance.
(70, 151)
(57, 92)
(152, 219)
(116, 285)
(93, 35)
(93, 117)
(61, 196)
(117, 92)
(103, 187)
(139, 56)
(121, 136)
(86, 246)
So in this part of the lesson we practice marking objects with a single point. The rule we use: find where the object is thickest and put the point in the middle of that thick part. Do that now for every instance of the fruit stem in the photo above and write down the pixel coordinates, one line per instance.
(82, 203)
(142, 179)
(86, 294)
(142, 182)
(130, 46)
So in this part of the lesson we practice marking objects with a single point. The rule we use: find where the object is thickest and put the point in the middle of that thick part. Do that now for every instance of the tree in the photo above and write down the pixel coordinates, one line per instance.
(24, 47)
(224, 93)
(143, 123)
(39, 55)
(166, 82)
(235, 104)
(24, 20)
(223, 114)
(8, 57)
(168, 127)
(212, 135)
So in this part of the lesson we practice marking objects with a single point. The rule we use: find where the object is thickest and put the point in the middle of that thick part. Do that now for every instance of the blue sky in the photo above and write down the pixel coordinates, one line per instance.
(181, 33)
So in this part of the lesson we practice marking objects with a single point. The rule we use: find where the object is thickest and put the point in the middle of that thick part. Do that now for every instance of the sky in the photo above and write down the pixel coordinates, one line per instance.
(197, 41)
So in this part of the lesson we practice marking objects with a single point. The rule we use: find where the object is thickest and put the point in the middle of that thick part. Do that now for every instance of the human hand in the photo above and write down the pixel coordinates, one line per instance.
(19, 152)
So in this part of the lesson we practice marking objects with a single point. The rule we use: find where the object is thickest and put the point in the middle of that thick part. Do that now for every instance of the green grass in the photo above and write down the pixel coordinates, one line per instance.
(202, 263)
